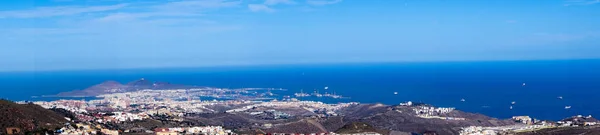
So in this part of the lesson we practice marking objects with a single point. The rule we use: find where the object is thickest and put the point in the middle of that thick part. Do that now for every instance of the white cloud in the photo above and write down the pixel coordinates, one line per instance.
(134, 18)
(124, 16)
(322, 2)
(187, 8)
(120, 17)
(199, 4)
(259, 8)
(149, 9)
(57, 11)
(581, 2)
(275, 2)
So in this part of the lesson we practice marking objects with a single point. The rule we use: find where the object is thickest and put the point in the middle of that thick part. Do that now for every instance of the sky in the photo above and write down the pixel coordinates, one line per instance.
(113, 34)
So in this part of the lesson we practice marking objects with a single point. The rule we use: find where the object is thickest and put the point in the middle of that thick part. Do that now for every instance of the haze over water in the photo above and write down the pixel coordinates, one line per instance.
(488, 87)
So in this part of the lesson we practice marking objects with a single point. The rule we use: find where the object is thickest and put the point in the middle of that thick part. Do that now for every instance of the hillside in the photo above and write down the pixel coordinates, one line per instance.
(27, 117)
(108, 87)
(359, 127)
(401, 118)
(98, 89)
(595, 130)
(358, 118)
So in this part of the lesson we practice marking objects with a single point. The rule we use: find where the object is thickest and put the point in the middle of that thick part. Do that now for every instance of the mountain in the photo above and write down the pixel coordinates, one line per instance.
(140, 84)
(592, 130)
(166, 85)
(116, 87)
(98, 89)
(402, 118)
(580, 120)
(359, 127)
(27, 117)
(361, 118)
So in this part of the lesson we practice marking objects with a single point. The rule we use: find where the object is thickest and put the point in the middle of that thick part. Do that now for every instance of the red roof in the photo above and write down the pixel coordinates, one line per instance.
(161, 130)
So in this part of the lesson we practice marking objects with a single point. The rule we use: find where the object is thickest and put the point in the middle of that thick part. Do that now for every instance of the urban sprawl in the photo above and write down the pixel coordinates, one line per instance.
(96, 116)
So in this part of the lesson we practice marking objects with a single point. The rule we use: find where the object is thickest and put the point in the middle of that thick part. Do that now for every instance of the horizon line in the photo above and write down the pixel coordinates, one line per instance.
(285, 64)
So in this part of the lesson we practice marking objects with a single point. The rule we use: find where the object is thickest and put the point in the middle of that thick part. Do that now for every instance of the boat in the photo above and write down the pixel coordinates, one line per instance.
(511, 107)
(317, 94)
(395, 93)
(560, 97)
(524, 84)
(301, 94)
(326, 88)
(513, 102)
(567, 107)
(462, 100)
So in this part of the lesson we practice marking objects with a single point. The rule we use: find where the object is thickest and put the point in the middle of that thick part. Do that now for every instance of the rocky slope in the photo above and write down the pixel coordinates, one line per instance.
(28, 117)
(402, 118)
(102, 88)
(372, 118)
(359, 127)
(116, 87)
(565, 131)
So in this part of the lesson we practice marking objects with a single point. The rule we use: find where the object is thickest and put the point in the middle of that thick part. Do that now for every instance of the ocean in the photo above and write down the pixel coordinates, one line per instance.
(487, 87)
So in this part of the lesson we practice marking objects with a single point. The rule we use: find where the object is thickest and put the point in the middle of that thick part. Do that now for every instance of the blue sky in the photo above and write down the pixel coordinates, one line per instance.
(107, 34)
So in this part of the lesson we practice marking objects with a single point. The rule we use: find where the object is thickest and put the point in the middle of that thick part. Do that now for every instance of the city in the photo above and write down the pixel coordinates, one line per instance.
(176, 109)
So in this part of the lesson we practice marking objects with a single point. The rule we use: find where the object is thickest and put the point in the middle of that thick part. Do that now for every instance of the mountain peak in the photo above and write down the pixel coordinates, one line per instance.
(115, 87)
(140, 84)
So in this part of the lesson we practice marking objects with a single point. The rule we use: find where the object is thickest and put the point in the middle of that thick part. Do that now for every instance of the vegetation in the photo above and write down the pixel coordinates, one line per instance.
(29, 118)
(359, 127)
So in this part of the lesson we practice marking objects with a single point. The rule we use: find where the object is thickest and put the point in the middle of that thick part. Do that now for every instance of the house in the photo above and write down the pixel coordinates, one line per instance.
(164, 131)
(13, 130)
(589, 123)
(110, 132)
(523, 119)
(267, 125)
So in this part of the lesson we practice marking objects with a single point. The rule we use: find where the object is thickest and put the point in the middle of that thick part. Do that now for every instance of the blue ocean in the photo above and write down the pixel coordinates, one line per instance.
(487, 87)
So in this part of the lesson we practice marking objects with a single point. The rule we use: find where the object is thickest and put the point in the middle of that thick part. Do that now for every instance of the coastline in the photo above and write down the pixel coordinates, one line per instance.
(487, 88)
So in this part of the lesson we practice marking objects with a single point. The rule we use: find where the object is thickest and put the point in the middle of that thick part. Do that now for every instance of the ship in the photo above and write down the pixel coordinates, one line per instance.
(332, 95)
(567, 107)
(317, 94)
(301, 94)
(335, 96)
